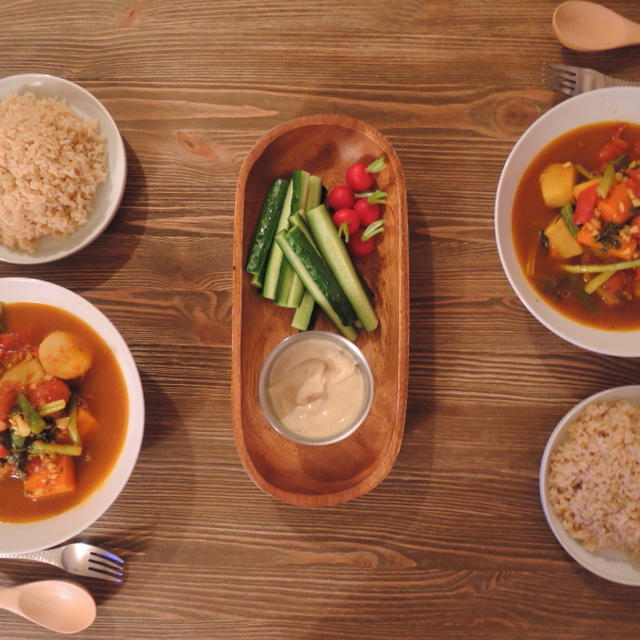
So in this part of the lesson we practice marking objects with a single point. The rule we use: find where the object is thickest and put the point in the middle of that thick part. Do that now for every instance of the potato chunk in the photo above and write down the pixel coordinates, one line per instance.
(64, 356)
(557, 182)
(27, 372)
(561, 240)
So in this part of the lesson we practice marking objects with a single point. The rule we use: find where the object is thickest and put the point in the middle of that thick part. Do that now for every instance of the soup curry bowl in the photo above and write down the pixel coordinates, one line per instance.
(72, 414)
(572, 134)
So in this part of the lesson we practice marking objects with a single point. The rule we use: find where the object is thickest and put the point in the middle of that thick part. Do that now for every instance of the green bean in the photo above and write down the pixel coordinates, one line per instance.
(598, 268)
(51, 407)
(37, 447)
(72, 426)
(598, 280)
(35, 422)
(567, 213)
(608, 178)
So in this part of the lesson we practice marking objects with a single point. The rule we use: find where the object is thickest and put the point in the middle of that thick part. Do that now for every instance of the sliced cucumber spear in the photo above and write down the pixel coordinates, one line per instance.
(265, 229)
(337, 257)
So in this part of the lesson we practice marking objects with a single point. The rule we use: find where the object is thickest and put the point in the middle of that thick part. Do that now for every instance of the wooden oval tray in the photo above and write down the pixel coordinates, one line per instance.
(303, 475)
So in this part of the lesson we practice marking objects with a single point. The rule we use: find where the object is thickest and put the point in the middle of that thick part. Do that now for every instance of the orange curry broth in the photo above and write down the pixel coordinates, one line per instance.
(530, 215)
(103, 389)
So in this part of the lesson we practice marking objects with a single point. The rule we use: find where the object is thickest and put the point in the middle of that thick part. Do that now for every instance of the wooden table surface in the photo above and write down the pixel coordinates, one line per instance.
(453, 543)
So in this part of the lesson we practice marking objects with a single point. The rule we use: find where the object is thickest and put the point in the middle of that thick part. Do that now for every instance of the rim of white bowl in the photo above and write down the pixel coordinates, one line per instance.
(37, 535)
(108, 194)
(615, 104)
(614, 566)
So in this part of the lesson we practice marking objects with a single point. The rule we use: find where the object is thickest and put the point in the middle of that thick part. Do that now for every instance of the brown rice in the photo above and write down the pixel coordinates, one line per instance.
(51, 163)
(594, 478)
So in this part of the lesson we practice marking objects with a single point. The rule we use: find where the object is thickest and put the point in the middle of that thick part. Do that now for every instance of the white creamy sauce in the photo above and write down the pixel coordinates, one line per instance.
(316, 389)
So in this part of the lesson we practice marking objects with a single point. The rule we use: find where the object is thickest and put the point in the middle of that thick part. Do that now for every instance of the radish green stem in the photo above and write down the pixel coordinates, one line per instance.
(374, 197)
(373, 229)
(377, 165)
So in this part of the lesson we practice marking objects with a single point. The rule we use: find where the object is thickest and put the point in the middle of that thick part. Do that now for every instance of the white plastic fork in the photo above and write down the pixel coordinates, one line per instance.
(78, 558)
(574, 80)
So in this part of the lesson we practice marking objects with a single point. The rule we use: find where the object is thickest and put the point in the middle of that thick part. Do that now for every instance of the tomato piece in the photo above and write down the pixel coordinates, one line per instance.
(348, 217)
(4, 453)
(635, 227)
(48, 391)
(15, 342)
(366, 211)
(359, 247)
(341, 197)
(612, 149)
(618, 281)
(8, 393)
(585, 205)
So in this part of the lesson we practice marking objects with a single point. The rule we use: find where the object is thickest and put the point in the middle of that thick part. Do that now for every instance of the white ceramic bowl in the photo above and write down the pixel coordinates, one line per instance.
(616, 566)
(109, 193)
(32, 536)
(280, 349)
(602, 105)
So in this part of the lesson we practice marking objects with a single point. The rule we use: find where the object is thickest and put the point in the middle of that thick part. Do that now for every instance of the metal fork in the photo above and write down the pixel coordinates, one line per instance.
(78, 558)
(574, 80)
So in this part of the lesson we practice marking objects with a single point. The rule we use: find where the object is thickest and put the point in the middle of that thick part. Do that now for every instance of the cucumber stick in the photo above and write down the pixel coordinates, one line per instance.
(274, 261)
(318, 279)
(300, 180)
(285, 282)
(266, 228)
(289, 289)
(337, 257)
(314, 193)
(312, 199)
(304, 314)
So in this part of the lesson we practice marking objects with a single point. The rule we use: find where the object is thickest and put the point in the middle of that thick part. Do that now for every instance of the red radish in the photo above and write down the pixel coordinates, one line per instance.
(348, 217)
(360, 177)
(359, 247)
(340, 197)
(361, 243)
(366, 211)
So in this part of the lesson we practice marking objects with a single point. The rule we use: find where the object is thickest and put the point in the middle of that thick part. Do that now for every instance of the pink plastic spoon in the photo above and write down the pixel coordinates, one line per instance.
(57, 605)
(587, 26)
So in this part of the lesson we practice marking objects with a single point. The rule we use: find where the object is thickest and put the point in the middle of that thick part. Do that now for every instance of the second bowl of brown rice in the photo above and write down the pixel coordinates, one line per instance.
(590, 484)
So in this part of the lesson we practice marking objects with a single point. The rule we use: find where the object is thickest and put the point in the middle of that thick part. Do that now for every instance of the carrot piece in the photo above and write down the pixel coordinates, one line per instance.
(587, 236)
(48, 476)
(87, 424)
(617, 206)
(626, 249)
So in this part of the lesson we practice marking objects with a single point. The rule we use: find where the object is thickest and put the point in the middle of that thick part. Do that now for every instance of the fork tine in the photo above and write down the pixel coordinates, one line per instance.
(104, 570)
(106, 555)
(561, 67)
(560, 78)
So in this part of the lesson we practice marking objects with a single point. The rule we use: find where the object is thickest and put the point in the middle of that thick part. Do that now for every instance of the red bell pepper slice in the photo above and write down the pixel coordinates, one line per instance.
(612, 149)
(585, 205)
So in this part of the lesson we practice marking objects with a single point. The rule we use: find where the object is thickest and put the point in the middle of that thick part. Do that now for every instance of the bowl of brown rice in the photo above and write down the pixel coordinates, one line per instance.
(63, 168)
(590, 484)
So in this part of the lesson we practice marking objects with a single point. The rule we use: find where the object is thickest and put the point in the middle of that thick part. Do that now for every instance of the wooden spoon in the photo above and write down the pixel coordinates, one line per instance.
(57, 605)
(587, 26)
